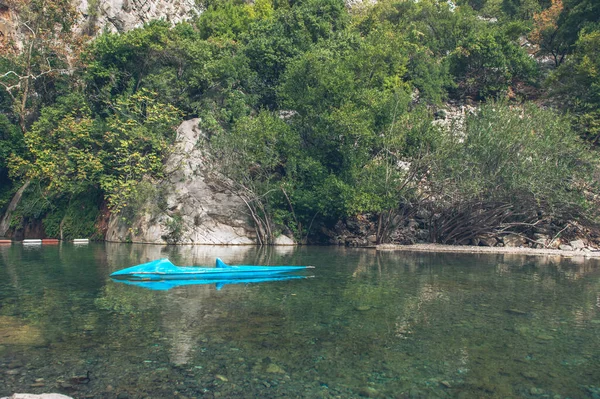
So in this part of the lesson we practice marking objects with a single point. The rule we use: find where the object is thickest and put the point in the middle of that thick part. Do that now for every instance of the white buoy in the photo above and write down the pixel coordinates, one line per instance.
(32, 241)
(81, 241)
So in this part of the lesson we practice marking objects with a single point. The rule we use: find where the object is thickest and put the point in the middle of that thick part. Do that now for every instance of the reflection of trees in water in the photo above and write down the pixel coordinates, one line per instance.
(47, 287)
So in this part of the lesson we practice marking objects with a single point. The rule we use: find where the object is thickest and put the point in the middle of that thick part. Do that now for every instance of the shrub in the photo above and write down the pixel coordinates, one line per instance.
(511, 165)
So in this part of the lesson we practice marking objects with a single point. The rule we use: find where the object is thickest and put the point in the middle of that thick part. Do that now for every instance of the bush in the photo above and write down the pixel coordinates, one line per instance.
(510, 165)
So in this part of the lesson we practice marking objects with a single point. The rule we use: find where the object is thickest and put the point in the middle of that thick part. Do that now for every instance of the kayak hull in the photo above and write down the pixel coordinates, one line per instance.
(163, 269)
(164, 285)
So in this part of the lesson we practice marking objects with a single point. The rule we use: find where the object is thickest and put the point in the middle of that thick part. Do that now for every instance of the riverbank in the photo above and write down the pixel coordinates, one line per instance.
(585, 252)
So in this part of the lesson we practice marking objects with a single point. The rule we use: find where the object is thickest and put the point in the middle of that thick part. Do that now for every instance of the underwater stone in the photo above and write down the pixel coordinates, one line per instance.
(369, 392)
(275, 369)
(529, 374)
(536, 391)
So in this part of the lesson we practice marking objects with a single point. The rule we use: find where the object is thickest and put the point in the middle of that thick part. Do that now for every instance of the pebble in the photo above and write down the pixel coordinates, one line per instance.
(529, 374)
(221, 378)
(446, 384)
(536, 391)
(275, 369)
(362, 308)
(369, 392)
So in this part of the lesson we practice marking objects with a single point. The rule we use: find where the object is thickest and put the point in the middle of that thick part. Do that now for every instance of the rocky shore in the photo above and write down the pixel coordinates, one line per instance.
(585, 251)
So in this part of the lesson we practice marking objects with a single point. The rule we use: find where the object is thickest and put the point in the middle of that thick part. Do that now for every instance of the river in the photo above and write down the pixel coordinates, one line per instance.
(368, 324)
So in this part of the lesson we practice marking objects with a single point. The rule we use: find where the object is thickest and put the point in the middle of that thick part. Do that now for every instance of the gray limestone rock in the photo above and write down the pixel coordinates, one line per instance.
(577, 244)
(124, 15)
(195, 204)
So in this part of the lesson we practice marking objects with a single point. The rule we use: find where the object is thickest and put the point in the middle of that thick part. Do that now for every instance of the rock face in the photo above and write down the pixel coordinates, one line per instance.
(197, 209)
(124, 15)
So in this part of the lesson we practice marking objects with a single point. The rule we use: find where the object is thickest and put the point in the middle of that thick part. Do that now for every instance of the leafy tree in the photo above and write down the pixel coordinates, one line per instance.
(137, 138)
(254, 156)
(40, 57)
(578, 81)
(232, 18)
(546, 32)
(521, 9)
(488, 63)
(11, 142)
(350, 102)
(272, 43)
(70, 152)
(557, 28)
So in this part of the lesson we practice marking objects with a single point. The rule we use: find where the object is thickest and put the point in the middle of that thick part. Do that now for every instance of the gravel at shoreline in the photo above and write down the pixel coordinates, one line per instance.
(588, 253)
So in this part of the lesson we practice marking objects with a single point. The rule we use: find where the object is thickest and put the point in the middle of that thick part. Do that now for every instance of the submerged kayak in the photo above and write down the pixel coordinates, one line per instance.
(163, 269)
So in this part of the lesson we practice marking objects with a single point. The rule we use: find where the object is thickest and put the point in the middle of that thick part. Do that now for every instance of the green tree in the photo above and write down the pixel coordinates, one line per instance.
(578, 81)
(487, 63)
(40, 58)
(256, 156)
(69, 151)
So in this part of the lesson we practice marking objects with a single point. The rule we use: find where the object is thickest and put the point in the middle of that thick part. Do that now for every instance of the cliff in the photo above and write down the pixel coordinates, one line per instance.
(197, 210)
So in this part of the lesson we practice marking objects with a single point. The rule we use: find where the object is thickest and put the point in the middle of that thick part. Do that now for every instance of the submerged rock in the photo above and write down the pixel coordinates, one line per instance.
(369, 392)
(275, 369)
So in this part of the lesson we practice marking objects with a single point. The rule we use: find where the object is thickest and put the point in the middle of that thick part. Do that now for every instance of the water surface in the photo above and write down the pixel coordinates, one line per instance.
(369, 324)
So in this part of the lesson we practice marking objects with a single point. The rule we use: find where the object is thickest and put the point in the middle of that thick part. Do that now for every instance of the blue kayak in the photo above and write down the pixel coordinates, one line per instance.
(163, 269)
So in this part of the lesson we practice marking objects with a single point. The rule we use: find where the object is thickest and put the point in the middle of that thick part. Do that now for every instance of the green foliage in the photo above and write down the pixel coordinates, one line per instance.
(137, 137)
(486, 63)
(521, 9)
(11, 141)
(523, 156)
(70, 152)
(176, 228)
(315, 111)
(35, 72)
(578, 80)
(63, 148)
(76, 219)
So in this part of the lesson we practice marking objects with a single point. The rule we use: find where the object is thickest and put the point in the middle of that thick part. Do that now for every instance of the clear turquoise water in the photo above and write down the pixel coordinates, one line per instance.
(370, 324)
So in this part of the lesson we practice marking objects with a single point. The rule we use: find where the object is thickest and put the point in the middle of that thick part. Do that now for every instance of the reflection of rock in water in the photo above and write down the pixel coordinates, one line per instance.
(182, 318)
(190, 314)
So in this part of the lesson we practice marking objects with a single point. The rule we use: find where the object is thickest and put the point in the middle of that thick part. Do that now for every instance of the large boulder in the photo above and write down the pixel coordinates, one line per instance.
(197, 209)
